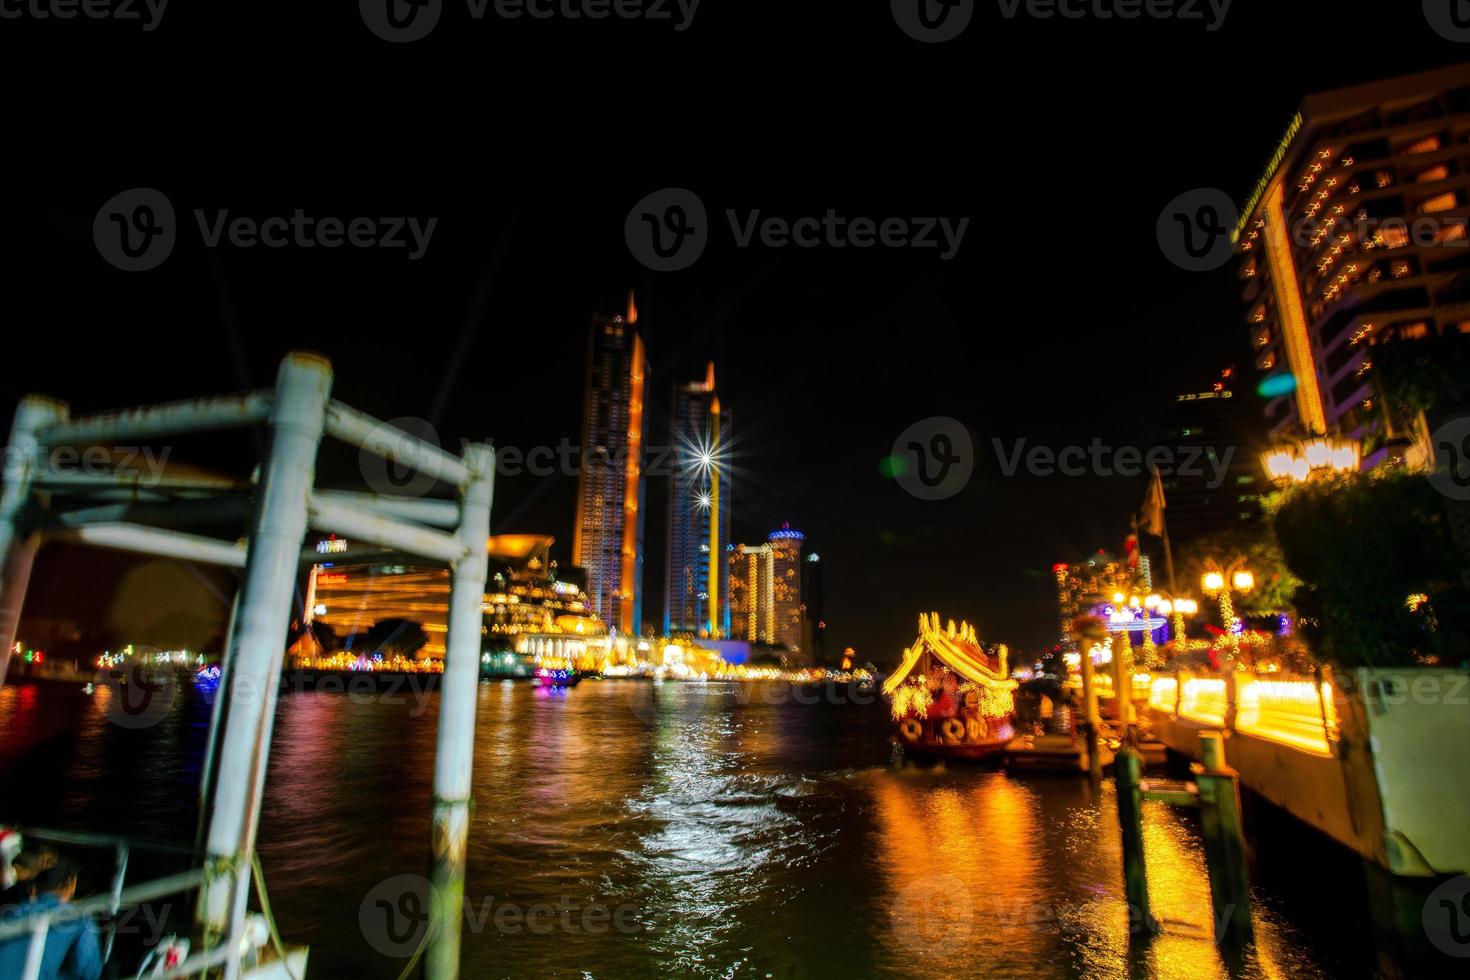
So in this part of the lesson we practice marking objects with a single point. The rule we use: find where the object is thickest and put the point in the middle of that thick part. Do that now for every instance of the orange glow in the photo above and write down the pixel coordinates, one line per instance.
(628, 587)
(1293, 316)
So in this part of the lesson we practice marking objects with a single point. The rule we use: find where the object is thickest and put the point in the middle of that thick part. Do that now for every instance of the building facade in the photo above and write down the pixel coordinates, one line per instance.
(790, 613)
(1356, 235)
(697, 589)
(1215, 435)
(608, 537)
(752, 597)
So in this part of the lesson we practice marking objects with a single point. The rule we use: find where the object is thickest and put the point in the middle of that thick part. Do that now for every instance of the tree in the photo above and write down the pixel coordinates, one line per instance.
(396, 637)
(1381, 572)
(1254, 548)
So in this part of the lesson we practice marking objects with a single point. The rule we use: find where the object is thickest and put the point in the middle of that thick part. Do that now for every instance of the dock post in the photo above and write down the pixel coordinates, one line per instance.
(454, 754)
(1091, 722)
(1219, 796)
(1128, 773)
(18, 543)
(253, 668)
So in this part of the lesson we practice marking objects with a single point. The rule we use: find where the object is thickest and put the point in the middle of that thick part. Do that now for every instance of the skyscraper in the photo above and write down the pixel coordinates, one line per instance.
(752, 600)
(1355, 236)
(697, 591)
(608, 538)
(786, 586)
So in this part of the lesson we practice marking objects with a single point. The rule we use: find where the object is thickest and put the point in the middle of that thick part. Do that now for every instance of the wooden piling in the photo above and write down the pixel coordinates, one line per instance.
(1128, 773)
(1219, 795)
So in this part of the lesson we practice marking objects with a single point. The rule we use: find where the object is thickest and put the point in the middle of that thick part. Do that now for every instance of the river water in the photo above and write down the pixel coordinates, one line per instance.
(627, 829)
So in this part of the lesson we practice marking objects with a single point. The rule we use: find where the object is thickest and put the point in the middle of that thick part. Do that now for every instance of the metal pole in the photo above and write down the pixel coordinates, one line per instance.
(18, 544)
(297, 422)
(454, 754)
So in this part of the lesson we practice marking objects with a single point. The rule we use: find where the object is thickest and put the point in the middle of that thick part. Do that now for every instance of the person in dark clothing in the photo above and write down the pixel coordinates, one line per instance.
(72, 951)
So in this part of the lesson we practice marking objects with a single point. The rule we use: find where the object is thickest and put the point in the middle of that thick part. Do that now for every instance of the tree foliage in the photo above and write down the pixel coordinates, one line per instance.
(1362, 546)
(400, 637)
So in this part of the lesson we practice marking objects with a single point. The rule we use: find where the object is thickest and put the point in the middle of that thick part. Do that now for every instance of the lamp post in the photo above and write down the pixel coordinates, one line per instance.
(1176, 608)
(1310, 460)
(1220, 584)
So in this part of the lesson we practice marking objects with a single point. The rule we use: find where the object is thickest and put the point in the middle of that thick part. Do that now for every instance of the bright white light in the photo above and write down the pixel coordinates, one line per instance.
(705, 501)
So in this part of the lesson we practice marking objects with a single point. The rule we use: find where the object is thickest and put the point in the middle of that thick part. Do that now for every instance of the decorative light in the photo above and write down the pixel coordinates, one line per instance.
(1212, 582)
(1243, 581)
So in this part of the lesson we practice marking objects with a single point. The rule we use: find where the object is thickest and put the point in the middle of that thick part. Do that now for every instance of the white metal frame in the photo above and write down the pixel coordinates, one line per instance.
(299, 412)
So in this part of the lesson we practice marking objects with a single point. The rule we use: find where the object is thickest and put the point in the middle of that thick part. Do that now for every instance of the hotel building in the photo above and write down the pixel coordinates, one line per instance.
(1356, 235)
(607, 540)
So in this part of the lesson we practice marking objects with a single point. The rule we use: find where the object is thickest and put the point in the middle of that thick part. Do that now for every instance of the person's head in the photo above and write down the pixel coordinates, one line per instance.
(33, 860)
(60, 879)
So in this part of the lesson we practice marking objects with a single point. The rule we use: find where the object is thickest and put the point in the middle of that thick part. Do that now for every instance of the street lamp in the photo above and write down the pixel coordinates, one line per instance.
(1175, 608)
(1305, 461)
(1213, 582)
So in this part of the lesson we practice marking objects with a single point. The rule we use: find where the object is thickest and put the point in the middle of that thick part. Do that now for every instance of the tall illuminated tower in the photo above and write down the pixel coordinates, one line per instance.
(697, 592)
(608, 538)
(786, 579)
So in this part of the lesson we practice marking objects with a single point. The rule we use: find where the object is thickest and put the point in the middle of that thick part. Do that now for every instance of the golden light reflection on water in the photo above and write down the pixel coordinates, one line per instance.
(981, 876)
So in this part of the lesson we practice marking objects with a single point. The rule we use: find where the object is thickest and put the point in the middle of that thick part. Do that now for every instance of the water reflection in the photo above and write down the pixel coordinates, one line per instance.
(739, 832)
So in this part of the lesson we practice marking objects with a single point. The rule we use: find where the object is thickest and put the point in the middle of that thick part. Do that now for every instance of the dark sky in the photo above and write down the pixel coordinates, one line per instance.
(1058, 321)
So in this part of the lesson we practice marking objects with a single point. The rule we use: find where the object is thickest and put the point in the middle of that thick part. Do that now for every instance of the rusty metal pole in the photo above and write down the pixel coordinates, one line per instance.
(18, 543)
(454, 754)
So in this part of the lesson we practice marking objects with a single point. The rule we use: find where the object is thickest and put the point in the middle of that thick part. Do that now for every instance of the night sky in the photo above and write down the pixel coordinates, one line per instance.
(1059, 320)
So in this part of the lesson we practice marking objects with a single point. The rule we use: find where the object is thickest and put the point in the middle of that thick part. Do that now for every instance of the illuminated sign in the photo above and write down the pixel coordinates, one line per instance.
(331, 578)
(331, 546)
